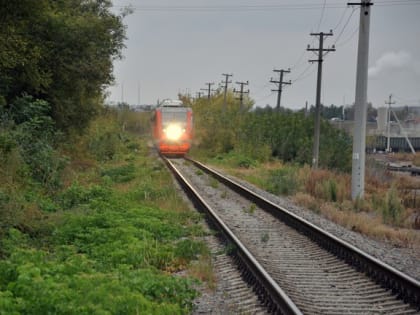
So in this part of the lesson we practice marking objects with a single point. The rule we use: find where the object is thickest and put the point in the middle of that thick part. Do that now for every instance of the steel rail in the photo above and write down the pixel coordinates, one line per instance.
(402, 285)
(276, 300)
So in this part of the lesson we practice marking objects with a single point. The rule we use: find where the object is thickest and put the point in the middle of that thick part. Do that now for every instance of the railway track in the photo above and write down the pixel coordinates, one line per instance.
(294, 266)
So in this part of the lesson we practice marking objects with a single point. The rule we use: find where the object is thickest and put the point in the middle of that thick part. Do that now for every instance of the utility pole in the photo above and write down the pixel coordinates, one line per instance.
(138, 93)
(280, 85)
(226, 86)
(360, 104)
(199, 94)
(209, 90)
(388, 125)
(320, 50)
(122, 92)
(241, 93)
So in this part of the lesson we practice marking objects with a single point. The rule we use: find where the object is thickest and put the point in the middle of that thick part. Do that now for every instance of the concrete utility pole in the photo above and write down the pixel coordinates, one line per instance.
(209, 90)
(360, 104)
(226, 86)
(320, 50)
(241, 93)
(388, 125)
(280, 85)
(199, 94)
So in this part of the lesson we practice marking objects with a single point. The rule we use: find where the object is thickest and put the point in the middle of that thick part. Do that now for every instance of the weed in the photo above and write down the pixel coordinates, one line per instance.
(214, 182)
(224, 194)
(283, 181)
(265, 237)
(230, 249)
(199, 172)
(203, 270)
(393, 209)
(120, 174)
(252, 208)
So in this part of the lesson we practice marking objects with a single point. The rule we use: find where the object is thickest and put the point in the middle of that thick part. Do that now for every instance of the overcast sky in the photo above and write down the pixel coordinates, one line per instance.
(179, 45)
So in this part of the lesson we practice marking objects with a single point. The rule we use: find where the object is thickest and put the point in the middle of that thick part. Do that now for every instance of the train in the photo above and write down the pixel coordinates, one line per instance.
(172, 128)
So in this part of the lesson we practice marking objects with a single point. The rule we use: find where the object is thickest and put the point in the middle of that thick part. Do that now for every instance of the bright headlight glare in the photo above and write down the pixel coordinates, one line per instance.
(173, 132)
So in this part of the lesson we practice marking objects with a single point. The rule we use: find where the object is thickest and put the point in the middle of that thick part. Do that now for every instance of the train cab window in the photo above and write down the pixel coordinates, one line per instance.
(174, 116)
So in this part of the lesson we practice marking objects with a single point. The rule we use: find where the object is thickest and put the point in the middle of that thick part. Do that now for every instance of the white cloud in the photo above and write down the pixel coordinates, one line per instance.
(390, 61)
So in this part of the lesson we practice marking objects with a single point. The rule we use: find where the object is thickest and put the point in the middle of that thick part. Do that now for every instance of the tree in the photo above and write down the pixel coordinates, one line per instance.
(59, 51)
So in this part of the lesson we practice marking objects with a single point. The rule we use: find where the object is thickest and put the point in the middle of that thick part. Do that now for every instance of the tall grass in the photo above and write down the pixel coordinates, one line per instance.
(106, 241)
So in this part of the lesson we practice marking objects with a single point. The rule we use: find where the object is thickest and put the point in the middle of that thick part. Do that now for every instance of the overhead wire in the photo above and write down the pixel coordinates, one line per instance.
(264, 97)
(232, 7)
(341, 18)
(263, 7)
(345, 26)
(302, 75)
(347, 40)
(299, 62)
(322, 15)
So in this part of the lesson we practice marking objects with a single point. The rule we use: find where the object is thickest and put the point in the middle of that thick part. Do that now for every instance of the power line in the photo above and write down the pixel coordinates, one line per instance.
(344, 42)
(262, 8)
(341, 18)
(302, 75)
(345, 25)
(264, 97)
(322, 15)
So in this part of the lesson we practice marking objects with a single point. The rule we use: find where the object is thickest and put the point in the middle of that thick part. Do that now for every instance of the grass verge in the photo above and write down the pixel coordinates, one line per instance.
(110, 241)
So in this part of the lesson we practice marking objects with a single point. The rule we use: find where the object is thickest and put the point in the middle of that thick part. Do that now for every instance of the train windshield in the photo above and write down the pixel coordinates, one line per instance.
(171, 116)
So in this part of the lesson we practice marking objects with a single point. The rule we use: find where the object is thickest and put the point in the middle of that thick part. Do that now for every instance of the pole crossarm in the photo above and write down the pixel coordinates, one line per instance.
(241, 92)
(280, 84)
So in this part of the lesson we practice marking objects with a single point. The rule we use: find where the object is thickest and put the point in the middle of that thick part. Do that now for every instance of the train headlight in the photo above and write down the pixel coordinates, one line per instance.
(173, 132)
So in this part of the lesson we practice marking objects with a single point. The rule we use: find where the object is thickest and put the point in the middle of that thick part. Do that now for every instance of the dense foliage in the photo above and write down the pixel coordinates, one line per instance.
(101, 239)
(60, 52)
(264, 133)
(84, 224)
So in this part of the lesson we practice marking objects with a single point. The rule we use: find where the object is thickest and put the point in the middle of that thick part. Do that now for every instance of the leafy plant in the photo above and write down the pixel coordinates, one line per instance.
(393, 208)
(120, 174)
(283, 181)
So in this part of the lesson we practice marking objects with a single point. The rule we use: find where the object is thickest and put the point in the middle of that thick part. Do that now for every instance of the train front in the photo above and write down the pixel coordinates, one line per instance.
(173, 131)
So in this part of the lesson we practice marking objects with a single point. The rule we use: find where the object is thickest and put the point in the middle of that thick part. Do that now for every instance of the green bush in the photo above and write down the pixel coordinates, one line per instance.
(31, 131)
(77, 195)
(106, 256)
(35, 282)
(393, 209)
(121, 174)
(283, 181)
(330, 190)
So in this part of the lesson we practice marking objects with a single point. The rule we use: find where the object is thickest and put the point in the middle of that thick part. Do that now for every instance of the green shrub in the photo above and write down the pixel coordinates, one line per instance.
(283, 181)
(34, 282)
(77, 195)
(393, 208)
(30, 129)
(121, 174)
(330, 190)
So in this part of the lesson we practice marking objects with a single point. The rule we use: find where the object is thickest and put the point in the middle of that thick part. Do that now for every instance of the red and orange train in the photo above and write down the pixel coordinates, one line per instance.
(172, 128)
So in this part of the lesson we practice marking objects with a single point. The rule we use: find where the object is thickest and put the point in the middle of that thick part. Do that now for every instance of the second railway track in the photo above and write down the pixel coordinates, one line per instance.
(317, 280)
